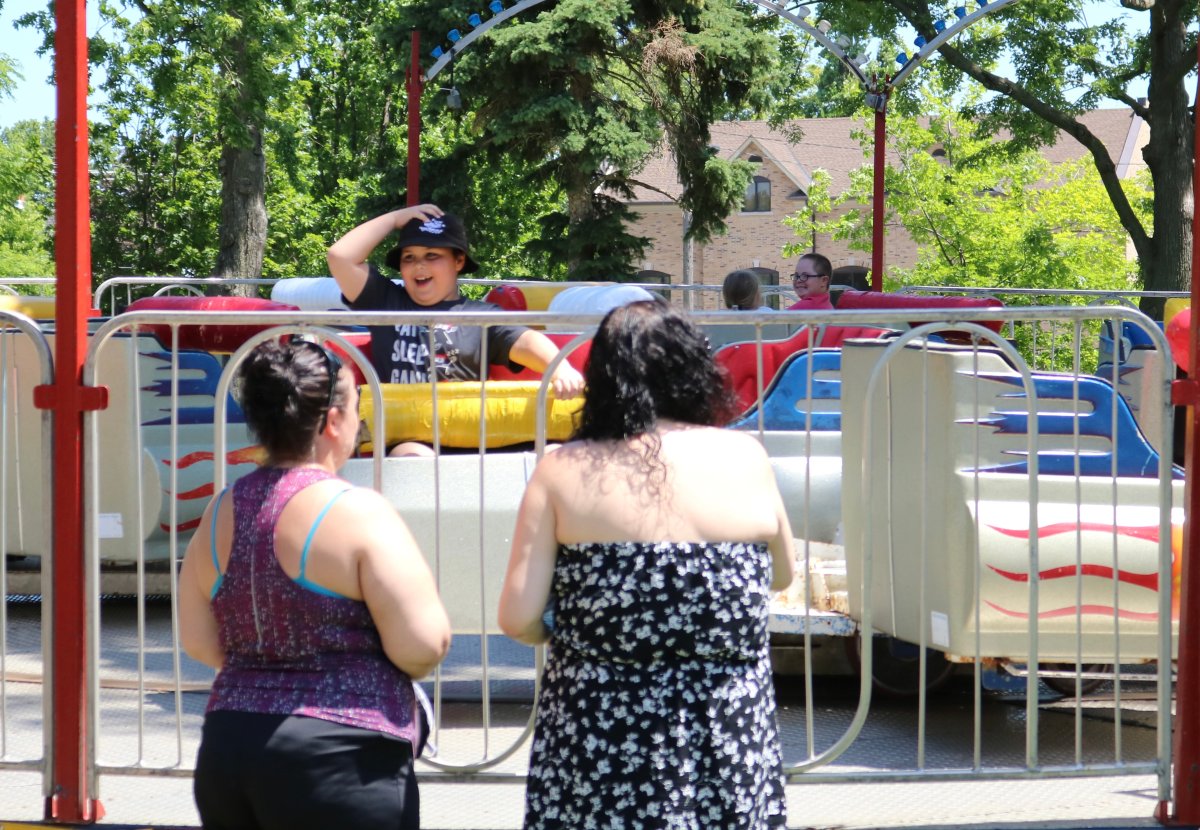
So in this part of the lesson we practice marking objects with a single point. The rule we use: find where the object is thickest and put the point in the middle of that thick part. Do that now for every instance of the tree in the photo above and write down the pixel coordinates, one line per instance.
(26, 199)
(982, 212)
(582, 92)
(1063, 66)
(988, 215)
(332, 150)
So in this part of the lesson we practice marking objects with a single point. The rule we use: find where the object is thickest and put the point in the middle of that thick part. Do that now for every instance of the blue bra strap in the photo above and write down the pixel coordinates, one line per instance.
(302, 579)
(212, 540)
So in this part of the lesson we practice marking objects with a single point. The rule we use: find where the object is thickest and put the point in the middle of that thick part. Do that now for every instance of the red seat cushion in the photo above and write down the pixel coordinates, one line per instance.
(577, 358)
(360, 340)
(209, 338)
(508, 297)
(880, 300)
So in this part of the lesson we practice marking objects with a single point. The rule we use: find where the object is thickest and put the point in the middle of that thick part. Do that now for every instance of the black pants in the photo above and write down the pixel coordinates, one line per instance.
(279, 772)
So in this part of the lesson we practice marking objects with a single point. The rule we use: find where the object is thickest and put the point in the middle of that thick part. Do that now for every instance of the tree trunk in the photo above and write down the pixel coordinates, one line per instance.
(242, 233)
(579, 210)
(1166, 262)
(243, 229)
(689, 262)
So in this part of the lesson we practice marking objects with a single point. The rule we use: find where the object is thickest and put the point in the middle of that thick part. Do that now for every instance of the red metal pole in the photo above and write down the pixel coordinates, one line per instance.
(1186, 749)
(415, 87)
(877, 212)
(69, 798)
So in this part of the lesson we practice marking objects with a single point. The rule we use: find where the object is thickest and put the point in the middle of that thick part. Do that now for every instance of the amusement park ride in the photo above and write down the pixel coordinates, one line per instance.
(985, 515)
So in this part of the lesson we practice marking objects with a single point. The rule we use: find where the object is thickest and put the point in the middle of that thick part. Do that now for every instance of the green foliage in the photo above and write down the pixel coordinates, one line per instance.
(980, 216)
(581, 93)
(1063, 65)
(26, 199)
(984, 214)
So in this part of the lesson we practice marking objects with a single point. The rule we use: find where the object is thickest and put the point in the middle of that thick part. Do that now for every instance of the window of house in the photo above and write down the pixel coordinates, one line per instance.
(758, 196)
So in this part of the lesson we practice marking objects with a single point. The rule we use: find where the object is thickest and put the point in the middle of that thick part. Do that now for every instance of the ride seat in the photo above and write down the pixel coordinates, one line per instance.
(740, 360)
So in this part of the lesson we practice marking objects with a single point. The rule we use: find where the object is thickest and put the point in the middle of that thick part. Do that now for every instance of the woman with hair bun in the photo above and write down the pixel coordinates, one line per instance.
(646, 551)
(313, 602)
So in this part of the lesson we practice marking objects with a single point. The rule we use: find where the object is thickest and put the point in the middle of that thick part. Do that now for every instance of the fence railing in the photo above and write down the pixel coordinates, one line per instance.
(958, 488)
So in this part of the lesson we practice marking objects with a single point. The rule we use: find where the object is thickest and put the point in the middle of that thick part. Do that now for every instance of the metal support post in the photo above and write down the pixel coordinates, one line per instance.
(69, 796)
(415, 85)
(1186, 751)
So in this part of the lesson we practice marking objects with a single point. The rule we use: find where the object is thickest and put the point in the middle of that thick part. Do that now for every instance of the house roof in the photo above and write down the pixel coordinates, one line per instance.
(804, 145)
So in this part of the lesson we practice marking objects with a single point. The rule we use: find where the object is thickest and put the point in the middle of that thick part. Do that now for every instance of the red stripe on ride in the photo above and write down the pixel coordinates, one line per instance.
(190, 524)
(1147, 532)
(201, 492)
(245, 455)
(1142, 580)
(1073, 610)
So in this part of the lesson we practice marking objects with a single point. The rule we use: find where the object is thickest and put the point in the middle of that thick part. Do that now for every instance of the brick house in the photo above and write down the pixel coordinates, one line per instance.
(756, 235)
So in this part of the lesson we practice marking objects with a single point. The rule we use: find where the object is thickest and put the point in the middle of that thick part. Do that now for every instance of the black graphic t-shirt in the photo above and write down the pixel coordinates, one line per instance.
(401, 353)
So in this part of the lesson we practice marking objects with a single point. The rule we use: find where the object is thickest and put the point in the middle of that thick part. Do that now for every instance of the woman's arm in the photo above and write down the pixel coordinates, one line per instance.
(782, 545)
(530, 574)
(535, 350)
(397, 585)
(348, 256)
(198, 631)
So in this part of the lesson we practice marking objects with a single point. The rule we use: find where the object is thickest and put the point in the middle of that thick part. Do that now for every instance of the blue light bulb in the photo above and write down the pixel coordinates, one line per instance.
(902, 59)
(474, 20)
(919, 41)
(960, 12)
(437, 52)
(496, 6)
(453, 35)
(939, 25)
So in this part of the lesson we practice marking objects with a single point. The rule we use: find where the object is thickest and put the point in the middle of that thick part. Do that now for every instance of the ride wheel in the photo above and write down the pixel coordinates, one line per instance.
(896, 665)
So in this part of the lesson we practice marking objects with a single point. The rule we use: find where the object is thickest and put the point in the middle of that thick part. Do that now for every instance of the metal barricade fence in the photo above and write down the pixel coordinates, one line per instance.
(150, 471)
(25, 678)
(108, 294)
(944, 505)
(1045, 345)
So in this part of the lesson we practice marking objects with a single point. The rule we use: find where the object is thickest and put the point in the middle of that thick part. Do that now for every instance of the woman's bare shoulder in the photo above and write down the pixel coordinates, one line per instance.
(360, 504)
(723, 439)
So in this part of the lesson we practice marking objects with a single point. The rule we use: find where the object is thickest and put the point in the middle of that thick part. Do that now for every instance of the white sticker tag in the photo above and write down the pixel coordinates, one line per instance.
(939, 629)
(111, 526)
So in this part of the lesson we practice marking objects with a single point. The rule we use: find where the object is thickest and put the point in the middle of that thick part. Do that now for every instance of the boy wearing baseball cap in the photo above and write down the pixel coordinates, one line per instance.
(430, 254)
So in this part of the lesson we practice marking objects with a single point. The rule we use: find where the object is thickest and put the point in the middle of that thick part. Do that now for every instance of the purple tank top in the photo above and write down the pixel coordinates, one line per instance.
(290, 650)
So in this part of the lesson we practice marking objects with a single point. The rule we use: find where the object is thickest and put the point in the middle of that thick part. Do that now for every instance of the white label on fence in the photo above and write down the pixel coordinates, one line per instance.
(111, 526)
(939, 629)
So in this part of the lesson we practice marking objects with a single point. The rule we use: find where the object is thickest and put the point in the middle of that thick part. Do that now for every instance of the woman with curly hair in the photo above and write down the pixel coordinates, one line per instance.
(311, 599)
(646, 551)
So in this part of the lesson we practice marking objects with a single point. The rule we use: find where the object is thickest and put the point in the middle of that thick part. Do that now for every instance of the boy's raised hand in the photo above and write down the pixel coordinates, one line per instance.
(405, 215)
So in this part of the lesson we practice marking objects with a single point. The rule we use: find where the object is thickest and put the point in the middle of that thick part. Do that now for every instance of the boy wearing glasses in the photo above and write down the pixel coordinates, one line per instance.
(811, 281)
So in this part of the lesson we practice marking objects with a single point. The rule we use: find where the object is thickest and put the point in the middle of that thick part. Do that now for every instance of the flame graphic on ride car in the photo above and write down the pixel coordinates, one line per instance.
(1149, 533)
(253, 454)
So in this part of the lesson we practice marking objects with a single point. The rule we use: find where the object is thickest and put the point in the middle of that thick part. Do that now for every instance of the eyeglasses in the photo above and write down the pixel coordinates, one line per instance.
(801, 277)
(333, 365)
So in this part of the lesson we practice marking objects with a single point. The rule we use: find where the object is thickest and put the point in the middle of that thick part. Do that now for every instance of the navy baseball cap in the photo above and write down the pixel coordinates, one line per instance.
(445, 231)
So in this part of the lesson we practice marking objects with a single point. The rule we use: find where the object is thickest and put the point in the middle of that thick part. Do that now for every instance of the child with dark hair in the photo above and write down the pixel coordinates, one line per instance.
(814, 273)
(656, 537)
(430, 254)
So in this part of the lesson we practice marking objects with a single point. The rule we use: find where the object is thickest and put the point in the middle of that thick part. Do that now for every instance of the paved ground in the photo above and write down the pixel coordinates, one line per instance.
(150, 724)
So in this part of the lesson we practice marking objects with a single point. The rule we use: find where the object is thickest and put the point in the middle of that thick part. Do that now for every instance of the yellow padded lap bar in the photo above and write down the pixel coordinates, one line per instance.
(37, 307)
(510, 410)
